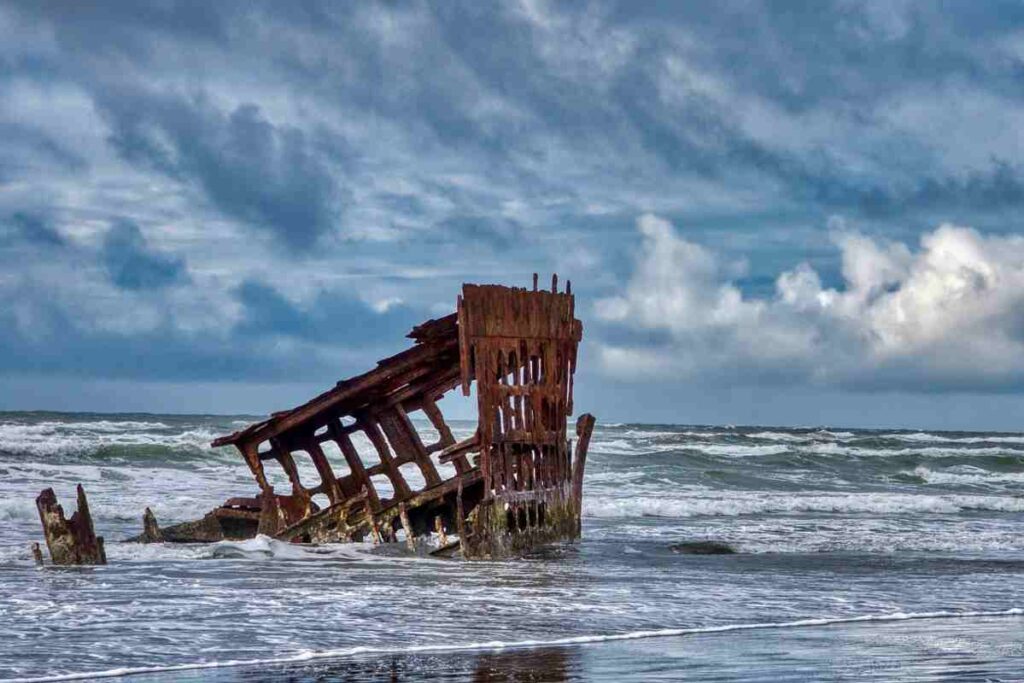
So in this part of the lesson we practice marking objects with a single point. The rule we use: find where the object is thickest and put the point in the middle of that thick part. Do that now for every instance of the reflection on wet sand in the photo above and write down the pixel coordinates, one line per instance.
(540, 665)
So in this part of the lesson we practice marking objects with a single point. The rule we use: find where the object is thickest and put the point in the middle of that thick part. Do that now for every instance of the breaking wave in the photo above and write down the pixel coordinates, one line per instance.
(966, 475)
(927, 437)
(49, 439)
(750, 503)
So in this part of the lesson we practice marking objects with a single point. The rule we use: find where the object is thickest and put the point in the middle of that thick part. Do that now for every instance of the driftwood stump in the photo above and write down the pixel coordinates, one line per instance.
(70, 541)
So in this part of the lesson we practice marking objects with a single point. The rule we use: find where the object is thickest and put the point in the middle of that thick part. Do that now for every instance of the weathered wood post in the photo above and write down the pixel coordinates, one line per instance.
(70, 541)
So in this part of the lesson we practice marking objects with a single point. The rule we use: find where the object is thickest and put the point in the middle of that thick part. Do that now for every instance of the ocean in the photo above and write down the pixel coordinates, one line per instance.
(861, 554)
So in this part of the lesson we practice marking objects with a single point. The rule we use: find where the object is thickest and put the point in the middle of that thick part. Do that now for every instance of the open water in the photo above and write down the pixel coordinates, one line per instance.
(873, 555)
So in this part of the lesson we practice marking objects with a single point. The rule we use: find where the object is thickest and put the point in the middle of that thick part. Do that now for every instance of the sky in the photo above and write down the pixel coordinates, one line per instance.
(791, 213)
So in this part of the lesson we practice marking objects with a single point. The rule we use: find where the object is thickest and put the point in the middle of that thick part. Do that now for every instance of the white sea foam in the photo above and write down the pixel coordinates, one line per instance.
(260, 547)
(309, 655)
(49, 439)
(929, 451)
(266, 548)
(803, 437)
(737, 451)
(750, 503)
(835, 435)
(806, 446)
(156, 552)
(614, 446)
(966, 475)
(928, 437)
(780, 436)
(623, 447)
(654, 433)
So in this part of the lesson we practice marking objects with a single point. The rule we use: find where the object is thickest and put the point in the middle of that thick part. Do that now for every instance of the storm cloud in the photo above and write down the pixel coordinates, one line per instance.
(277, 191)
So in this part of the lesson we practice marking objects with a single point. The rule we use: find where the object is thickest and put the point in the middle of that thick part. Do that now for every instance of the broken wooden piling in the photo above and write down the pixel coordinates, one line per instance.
(70, 541)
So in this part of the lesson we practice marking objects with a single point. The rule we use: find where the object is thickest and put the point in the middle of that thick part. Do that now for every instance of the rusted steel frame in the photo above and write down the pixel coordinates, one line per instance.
(465, 350)
(543, 494)
(442, 536)
(521, 350)
(439, 380)
(343, 509)
(385, 518)
(433, 413)
(431, 383)
(329, 482)
(355, 463)
(284, 457)
(458, 450)
(406, 389)
(419, 355)
(557, 453)
(403, 514)
(405, 440)
(497, 343)
(252, 457)
(460, 512)
(547, 439)
(508, 456)
(413, 383)
(439, 328)
(422, 456)
(380, 444)
(516, 362)
(272, 517)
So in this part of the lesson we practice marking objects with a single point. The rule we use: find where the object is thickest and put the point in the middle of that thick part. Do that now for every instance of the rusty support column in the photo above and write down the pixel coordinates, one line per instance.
(405, 440)
(584, 429)
(403, 515)
(355, 463)
(271, 516)
(323, 467)
(384, 453)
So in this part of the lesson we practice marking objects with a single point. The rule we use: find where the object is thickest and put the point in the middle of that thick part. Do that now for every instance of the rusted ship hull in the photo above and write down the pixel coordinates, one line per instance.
(517, 482)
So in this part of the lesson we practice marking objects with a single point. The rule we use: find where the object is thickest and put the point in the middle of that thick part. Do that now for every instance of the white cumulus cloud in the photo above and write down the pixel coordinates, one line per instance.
(946, 314)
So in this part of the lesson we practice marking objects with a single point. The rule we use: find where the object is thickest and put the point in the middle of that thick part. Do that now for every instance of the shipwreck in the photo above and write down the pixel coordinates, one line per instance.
(514, 484)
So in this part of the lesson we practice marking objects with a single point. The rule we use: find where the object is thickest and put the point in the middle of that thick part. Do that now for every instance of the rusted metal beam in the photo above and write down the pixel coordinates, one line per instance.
(584, 429)
(380, 444)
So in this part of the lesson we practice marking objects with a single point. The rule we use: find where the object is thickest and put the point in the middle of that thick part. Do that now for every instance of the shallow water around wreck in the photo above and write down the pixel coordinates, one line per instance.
(868, 554)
